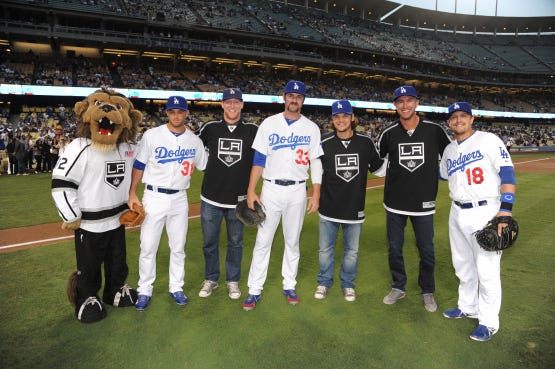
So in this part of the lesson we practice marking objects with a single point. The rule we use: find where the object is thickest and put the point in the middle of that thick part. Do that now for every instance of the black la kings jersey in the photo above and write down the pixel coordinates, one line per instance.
(226, 176)
(346, 164)
(412, 174)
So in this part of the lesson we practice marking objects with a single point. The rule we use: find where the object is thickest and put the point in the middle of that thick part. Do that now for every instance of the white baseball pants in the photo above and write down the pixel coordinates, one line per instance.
(479, 271)
(287, 203)
(172, 211)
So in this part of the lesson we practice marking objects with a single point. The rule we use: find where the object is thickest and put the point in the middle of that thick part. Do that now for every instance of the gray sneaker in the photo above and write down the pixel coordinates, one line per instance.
(233, 290)
(321, 292)
(207, 287)
(394, 295)
(349, 294)
(429, 302)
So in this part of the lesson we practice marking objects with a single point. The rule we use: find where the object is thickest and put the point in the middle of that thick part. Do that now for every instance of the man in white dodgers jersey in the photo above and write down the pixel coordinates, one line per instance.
(348, 157)
(226, 178)
(286, 144)
(482, 185)
(166, 160)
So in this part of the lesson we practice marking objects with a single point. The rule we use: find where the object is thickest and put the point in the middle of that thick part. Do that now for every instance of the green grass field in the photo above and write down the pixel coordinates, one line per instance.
(38, 330)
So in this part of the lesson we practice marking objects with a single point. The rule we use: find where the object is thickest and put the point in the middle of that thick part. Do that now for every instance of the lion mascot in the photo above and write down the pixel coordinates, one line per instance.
(90, 187)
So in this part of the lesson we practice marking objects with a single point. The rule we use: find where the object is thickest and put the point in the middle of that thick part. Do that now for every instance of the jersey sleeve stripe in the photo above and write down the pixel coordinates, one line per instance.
(77, 159)
(62, 183)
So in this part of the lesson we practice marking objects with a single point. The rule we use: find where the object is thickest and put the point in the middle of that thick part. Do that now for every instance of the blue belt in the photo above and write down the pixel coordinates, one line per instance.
(469, 205)
(161, 190)
(285, 182)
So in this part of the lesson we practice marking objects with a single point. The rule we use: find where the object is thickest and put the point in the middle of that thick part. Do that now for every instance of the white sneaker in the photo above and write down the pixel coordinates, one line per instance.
(393, 296)
(321, 292)
(207, 287)
(233, 290)
(429, 302)
(349, 294)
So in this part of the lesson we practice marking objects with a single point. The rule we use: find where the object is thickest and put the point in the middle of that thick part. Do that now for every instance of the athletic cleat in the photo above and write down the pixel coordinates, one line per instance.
(349, 294)
(142, 302)
(251, 301)
(393, 296)
(179, 297)
(457, 314)
(292, 297)
(321, 292)
(429, 302)
(207, 288)
(233, 290)
(482, 333)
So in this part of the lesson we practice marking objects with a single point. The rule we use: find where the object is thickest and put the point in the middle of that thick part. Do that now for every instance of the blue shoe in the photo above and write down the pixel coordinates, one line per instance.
(457, 314)
(482, 333)
(142, 302)
(250, 302)
(292, 297)
(179, 297)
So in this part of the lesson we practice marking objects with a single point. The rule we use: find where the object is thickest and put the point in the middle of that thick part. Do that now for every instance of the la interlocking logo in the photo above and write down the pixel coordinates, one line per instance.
(504, 153)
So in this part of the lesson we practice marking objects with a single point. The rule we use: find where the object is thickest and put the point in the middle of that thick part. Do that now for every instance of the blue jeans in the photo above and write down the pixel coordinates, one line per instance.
(424, 233)
(211, 220)
(349, 265)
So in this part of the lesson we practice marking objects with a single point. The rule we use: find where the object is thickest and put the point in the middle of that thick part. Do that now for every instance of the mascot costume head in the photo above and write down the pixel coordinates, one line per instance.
(90, 186)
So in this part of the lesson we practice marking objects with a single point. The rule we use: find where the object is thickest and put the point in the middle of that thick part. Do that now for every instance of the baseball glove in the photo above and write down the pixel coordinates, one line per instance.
(132, 218)
(489, 239)
(248, 216)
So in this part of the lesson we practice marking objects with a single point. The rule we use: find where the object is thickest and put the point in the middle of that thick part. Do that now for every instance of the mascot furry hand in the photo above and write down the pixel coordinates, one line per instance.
(90, 187)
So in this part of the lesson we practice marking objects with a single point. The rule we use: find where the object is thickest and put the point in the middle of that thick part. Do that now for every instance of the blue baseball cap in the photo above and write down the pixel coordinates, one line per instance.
(232, 93)
(405, 91)
(459, 106)
(341, 106)
(295, 87)
(176, 102)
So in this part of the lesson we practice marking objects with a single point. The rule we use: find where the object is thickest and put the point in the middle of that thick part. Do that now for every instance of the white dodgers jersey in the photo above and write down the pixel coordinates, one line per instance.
(170, 160)
(472, 167)
(288, 148)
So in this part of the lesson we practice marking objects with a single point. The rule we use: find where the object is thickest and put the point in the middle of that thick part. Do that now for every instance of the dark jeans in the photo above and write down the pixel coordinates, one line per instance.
(211, 219)
(424, 233)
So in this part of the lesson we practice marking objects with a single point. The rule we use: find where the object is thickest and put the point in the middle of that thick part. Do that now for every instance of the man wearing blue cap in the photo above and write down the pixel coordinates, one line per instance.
(348, 157)
(165, 161)
(482, 185)
(286, 146)
(412, 147)
(226, 178)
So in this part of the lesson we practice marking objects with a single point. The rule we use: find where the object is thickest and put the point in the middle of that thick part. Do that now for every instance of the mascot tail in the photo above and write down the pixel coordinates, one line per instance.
(72, 288)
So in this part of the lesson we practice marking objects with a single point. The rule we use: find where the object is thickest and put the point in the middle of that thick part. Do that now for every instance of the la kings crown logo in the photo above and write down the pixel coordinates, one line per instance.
(115, 173)
(230, 150)
(411, 155)
(346, 166)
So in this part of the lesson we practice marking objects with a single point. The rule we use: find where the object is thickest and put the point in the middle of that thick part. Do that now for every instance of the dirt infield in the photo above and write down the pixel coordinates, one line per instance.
(25, 237)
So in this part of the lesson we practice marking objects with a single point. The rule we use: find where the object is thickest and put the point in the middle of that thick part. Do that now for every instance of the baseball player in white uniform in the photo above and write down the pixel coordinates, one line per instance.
(166, 160)
(482, 185)
(286, 144)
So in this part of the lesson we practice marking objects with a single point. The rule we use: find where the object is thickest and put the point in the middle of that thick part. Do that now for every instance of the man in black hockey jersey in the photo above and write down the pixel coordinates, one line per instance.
(225, 182)
(413, 147)
(348, 156)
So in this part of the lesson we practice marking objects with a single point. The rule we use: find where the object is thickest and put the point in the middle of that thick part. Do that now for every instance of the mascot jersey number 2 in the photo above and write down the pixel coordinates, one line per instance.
(90, 186)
